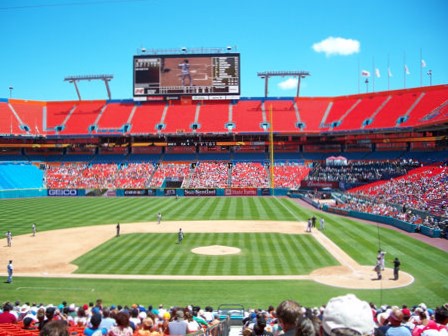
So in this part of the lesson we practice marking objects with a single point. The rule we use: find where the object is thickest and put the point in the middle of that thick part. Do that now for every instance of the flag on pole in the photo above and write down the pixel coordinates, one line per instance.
(406, 70)
(365, 73)
(389, 73)
(423, 63)
(377, 73)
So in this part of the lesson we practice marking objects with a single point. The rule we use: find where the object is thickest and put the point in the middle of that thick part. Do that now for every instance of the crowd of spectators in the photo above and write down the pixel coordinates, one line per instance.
(98, 175)
(361, 172)
(209, 175)
(344, 315)
(201, 174)
(249, 175)
(425, 189)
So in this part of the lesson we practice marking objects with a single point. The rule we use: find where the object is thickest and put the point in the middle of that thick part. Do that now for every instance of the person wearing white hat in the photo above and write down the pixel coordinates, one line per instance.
(347, 315)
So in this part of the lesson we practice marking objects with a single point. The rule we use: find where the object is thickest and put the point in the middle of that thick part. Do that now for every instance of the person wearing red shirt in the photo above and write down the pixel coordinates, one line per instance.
(6, 316)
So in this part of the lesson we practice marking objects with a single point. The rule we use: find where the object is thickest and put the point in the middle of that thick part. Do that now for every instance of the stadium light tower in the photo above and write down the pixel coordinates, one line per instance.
(75, 79)
(10, 91)
(267, 74)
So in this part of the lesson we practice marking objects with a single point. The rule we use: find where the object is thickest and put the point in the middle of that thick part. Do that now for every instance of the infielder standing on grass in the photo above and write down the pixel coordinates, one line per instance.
(33, 227)
(159, 218)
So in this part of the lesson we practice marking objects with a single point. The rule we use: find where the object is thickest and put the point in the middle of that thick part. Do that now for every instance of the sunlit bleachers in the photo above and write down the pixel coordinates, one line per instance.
(395, 108)
(284, 117)
(30, 115)
(432, 99)
(83, 117)
(340, 106)
(56, 113)
(213, 117)
(247, 116)
(8, 121)
(179, 118)
(362, 112)
(311, 112)
(114, 117)
(146, 117)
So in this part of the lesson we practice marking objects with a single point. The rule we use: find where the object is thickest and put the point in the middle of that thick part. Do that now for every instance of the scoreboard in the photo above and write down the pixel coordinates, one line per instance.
(200, 76)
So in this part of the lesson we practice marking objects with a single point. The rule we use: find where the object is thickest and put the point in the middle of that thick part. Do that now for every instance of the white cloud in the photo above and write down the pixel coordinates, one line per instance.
(337, 46)
(290, 83)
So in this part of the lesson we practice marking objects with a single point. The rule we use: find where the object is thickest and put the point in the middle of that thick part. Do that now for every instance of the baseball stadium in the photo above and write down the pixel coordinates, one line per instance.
(190, 194)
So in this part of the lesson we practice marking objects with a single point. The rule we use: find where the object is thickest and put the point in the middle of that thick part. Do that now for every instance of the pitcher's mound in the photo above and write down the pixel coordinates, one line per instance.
(216, 250)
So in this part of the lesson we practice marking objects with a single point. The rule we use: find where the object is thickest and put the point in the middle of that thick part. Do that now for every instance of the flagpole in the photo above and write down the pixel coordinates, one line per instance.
(373, 74)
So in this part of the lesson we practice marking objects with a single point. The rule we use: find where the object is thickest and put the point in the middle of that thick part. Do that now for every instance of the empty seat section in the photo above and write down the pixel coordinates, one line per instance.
(30, 113)
(213, 117)
(283, 115)
(146, 118)
(83, 117)
(8, 121)
(395, 108)
(179, 118)
(115, 116)
(311, 112)
(340, 106)
(57, 112)
(289, 175)
(362, 111)
(430, 101)
(247, 116)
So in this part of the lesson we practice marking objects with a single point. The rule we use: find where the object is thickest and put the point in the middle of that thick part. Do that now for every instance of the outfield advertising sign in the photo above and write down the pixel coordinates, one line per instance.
(62, 192)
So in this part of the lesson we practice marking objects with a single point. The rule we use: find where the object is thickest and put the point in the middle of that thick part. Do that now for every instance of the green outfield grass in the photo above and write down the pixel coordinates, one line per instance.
(361, 241)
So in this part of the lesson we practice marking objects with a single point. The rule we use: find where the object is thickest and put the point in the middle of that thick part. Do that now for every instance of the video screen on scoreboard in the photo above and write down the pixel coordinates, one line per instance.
(202, 76)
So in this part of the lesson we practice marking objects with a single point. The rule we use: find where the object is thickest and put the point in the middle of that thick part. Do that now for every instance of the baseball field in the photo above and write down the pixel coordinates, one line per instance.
(250, 251)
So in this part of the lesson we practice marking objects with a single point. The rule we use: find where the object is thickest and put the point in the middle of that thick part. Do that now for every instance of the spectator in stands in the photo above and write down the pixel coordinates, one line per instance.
(55, 328)
(49, 315)
(107, 321)
(178, 326)
(123, 326)
(395, 327)
(6, 316)
(94, 328)
(28, 324)
(441, 317)
(260, 325)
(193, 325)
(308, 324)
(287, 314)
(347, 315)
(81, 317)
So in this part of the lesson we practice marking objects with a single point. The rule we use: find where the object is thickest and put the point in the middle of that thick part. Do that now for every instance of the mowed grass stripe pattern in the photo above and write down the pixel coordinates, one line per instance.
(159, 254)
(58, 213)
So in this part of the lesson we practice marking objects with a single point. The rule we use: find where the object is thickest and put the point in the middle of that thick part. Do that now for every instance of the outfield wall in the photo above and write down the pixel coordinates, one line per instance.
(155, 192)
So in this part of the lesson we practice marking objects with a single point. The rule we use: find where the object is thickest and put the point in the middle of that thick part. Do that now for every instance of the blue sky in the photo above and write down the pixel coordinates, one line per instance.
(45, 40)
